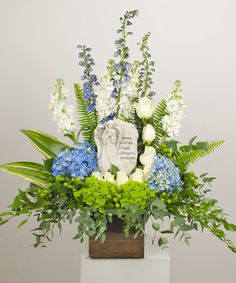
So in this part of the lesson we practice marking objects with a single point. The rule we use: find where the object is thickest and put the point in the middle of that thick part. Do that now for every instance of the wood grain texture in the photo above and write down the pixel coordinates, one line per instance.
(116, 244)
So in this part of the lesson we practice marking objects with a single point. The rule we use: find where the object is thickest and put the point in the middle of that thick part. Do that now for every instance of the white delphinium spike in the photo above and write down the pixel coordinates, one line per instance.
(63, 114)
(105, 101)
(174, 108)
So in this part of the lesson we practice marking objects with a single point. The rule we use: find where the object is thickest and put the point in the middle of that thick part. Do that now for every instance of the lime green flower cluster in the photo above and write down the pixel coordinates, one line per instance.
(164, 150)
(137, 193)
(66, 181)
(105, 195)
(190, 180)
(170, 198)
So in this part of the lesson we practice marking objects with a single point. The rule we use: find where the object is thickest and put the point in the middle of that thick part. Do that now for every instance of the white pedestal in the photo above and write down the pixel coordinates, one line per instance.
(155, 267)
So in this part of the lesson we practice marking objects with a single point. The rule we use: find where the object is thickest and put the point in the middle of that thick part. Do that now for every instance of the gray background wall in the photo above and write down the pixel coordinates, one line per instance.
(194, 41)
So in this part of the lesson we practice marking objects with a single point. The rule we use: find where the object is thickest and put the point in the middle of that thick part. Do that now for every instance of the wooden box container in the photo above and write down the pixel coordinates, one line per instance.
(116, 244)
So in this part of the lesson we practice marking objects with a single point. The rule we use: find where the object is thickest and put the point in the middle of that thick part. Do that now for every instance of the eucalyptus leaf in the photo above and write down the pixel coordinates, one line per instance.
(186, 227)
(229, 226)
(159, 204)
(22, 223)
(156, 226)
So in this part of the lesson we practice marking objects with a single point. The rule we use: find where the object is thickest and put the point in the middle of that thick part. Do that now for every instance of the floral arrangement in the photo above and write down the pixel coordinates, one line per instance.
(71, 185)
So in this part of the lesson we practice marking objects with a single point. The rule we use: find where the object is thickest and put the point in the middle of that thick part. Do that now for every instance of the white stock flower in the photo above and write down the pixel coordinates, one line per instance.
(128, 93)
(121, 178)
(147, 157)
(126, 107)
(148, 134)
(63, 114)
(138, 175)
(174, 108)
(105, 103)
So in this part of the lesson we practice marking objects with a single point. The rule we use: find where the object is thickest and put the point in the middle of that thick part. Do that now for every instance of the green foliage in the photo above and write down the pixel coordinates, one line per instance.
(114, 170)
(158, 115)
(87, 119)
(93, 203)
(185, 155)
(5, 217)
(62, 201)
(51, 206)
(30, 171)
(48, 145)
(192, 210)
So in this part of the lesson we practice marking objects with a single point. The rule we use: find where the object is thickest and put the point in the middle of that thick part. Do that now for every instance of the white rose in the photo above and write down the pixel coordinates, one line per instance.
(121, 178)
(98, 175)
(148, 134)
(147, 157)
(137, 175)
(145, 108)
(107, 176)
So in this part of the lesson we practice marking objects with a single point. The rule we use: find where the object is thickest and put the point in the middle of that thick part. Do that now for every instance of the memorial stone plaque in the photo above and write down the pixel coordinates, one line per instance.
(116, 142)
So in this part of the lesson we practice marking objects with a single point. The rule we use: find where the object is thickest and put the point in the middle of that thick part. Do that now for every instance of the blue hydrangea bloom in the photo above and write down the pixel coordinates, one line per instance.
(78, 162)
(164, 175)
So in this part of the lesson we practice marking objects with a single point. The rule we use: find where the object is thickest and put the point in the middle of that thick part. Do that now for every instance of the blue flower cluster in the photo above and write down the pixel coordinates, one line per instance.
(111, 116)
(79, 162)
(164, 175)
(87, 62)
(123, 68)
(89, 96)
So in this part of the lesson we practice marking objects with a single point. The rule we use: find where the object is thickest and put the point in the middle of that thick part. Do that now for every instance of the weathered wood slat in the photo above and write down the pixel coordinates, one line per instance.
(116, 244)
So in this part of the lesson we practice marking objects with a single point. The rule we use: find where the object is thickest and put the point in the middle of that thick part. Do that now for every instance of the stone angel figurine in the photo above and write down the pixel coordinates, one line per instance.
(108, 138)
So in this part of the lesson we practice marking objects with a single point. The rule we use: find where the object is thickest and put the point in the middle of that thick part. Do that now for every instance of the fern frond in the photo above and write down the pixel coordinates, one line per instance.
(158, 115)
(183, 157)
(87, 119)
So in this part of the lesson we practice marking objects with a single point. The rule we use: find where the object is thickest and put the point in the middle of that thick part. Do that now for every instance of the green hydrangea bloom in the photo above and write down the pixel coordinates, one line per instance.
(105, 195)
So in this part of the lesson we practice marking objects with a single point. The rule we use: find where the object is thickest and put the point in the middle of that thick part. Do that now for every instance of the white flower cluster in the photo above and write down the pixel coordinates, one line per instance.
(174, 107)
(121, 177)
(63, 114)
(128, 93)
(105, 102)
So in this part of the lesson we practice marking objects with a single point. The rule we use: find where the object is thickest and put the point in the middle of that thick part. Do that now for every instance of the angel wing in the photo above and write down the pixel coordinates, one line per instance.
(119, 135)
(98, 133)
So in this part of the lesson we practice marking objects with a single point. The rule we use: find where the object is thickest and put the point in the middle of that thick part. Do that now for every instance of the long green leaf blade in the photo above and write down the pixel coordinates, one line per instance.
(30, 171)
(48, 145)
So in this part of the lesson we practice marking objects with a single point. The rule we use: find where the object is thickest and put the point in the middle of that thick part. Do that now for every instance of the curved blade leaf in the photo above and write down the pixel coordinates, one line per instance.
(33, 172)
(48, 145)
